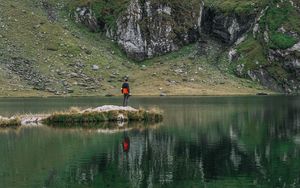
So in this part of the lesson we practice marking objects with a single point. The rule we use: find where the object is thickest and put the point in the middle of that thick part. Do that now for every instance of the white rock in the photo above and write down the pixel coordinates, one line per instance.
(112, 107)
(95, 67)
(296, 47)
(234, 28)
(231, 54)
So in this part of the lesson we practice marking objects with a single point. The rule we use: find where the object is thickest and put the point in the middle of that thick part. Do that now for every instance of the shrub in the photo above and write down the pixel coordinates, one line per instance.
(282, 41)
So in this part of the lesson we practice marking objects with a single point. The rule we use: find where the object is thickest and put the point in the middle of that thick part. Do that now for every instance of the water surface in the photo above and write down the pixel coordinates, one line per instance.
(202, 142)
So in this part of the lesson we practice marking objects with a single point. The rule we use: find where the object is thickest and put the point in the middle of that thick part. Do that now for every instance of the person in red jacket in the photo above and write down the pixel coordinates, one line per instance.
(126, 91)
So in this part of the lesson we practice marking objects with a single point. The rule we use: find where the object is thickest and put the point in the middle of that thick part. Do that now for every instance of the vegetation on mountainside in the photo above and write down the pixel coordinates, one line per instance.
(65, 53)
(253, 54)
(281, 20)
(279, 29)
(238, 6)
(106, 12)
(54, 48)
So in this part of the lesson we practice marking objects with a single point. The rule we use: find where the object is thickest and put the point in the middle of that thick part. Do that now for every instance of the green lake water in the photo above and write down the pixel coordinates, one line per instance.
(202, 142)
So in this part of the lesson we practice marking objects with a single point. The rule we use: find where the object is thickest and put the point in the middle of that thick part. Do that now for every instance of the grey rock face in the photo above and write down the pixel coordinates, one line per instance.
(52, 13)
(129, 34)
(290, 58)
(289, 61)
(150, 28)
(85, 16)
(266, 79)
(227, 28)
(232, 55)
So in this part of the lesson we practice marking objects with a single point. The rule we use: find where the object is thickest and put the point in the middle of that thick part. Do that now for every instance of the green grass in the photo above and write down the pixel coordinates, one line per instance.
(12, 122)
(70, 118)
(277, 72)
(282, 41)
(55, 45)
(179, 55)
(275, 16)
(105, 11)
(283, 15)
(252, 52)
(238, 6)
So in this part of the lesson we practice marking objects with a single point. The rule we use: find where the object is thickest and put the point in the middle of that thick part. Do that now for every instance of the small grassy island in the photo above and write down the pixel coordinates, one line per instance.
(107, 113)
(10, 122)
(75, 117)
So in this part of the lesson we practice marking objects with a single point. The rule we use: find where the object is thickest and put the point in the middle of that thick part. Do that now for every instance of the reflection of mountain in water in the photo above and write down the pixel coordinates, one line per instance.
(246, 145)
(243, 142)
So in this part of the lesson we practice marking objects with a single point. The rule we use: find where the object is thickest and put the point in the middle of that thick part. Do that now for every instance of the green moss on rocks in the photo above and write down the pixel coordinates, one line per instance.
(252, 54)
(282, 41)
(278, 30)
(106, 12)
(280, 20)
(237, 6)
(278, 73)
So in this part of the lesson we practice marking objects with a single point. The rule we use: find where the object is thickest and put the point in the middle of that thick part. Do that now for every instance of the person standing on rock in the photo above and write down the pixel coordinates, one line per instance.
(126, 91)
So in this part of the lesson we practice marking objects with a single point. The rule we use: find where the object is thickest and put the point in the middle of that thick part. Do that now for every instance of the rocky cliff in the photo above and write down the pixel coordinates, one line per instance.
(270, 53)
(148, 28)
(225, 27)
(261, 46)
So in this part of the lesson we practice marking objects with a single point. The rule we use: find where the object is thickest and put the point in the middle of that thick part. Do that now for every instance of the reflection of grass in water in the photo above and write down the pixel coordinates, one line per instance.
(107, 127)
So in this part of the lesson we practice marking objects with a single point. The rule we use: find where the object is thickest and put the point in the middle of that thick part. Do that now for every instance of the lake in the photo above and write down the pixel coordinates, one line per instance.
(202, 142)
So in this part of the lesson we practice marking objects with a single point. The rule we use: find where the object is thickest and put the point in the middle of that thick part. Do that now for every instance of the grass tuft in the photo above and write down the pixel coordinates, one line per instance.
(75, 116)
(282, 41)
(10, 122)
(74, 109)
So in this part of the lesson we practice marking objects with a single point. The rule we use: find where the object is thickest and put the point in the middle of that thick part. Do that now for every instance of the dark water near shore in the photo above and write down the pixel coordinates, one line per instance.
(202, 142)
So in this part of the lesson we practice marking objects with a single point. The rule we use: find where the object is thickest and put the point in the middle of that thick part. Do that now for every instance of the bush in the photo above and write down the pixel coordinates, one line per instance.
(282, 41)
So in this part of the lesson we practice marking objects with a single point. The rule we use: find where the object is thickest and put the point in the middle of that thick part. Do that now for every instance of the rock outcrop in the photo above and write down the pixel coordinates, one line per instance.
(271, 54)
(85, 16)
(224, 26)
(290, 62)
(149, 28)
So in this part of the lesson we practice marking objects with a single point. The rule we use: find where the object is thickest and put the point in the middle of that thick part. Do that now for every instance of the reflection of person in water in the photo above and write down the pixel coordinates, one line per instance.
(126, 144)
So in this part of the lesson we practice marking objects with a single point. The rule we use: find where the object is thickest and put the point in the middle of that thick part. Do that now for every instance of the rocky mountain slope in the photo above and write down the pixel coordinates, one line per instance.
(263, 35)
(197, 47)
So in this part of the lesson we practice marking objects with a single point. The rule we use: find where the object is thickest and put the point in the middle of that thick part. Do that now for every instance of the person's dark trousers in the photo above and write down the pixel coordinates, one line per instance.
(125, 100)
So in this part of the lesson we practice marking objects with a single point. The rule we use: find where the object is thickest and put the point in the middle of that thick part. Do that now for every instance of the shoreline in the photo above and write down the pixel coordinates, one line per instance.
(144, 95)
